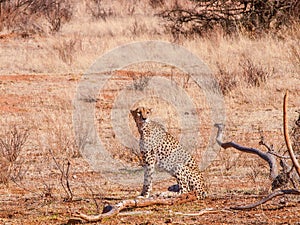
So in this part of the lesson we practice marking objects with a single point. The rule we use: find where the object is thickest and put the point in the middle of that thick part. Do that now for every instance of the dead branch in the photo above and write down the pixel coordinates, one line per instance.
(267, 198)
(286, 135)
(137, 203)
(67, 181)
(64, 178)
(285, 176)
(264, 155)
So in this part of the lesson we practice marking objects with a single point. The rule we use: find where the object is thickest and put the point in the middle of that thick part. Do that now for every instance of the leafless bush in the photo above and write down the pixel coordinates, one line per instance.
(253, 16)
(64, 169)
(97, 10)
(14, 15)
(156, 3)
(29, 15)
(57, 13)
(47, 191)
(12, 143)
(58, 144)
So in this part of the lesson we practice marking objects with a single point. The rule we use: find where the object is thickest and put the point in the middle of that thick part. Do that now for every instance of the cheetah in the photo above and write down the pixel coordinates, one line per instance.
(158, 147)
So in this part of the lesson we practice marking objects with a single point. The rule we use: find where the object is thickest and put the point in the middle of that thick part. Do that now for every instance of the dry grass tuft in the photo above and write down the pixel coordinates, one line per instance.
(254, 75)
(66, 49)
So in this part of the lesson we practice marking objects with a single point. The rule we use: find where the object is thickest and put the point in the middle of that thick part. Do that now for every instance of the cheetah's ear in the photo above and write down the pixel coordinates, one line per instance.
(132, 111)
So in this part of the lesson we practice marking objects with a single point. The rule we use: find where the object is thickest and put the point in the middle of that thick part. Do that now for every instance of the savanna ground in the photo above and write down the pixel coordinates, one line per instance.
(40, 74)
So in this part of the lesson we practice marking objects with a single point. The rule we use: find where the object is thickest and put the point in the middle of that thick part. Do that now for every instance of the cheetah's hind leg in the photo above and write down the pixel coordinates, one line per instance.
(174, 188)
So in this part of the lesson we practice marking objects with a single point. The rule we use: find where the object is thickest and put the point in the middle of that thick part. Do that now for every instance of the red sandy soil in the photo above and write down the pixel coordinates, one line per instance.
(39, 197)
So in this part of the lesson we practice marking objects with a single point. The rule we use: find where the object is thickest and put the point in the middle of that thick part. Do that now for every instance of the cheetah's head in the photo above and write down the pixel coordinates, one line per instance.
(141, 115)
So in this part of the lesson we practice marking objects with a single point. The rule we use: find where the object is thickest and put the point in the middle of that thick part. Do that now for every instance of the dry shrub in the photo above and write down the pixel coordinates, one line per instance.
(156, 3)
(253, 74)
(227, 80)
(12, 143)
(230, 161)
(295, 135)
(66, 49)
(58, 144)
(252, 16)
(97, 10)
(28, 16)
(248, 74)
(295, 55)
(57, 13)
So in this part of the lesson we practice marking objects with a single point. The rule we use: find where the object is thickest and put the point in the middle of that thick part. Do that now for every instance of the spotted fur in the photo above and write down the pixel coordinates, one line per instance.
(158, 147)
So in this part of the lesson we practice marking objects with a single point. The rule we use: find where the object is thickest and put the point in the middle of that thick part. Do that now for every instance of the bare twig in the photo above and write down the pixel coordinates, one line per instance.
(263, 143)
(203, 211)
(135, 213)
(67, 181)
(267, 198)
(64, 176)
(278, 155)
(264, 155)
(286, 135)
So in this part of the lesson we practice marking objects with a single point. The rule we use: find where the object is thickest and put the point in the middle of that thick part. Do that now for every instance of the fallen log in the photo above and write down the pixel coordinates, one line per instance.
(111, 211)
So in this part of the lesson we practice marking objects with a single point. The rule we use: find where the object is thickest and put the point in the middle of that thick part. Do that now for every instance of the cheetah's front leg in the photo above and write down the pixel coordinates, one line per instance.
(148, 176)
